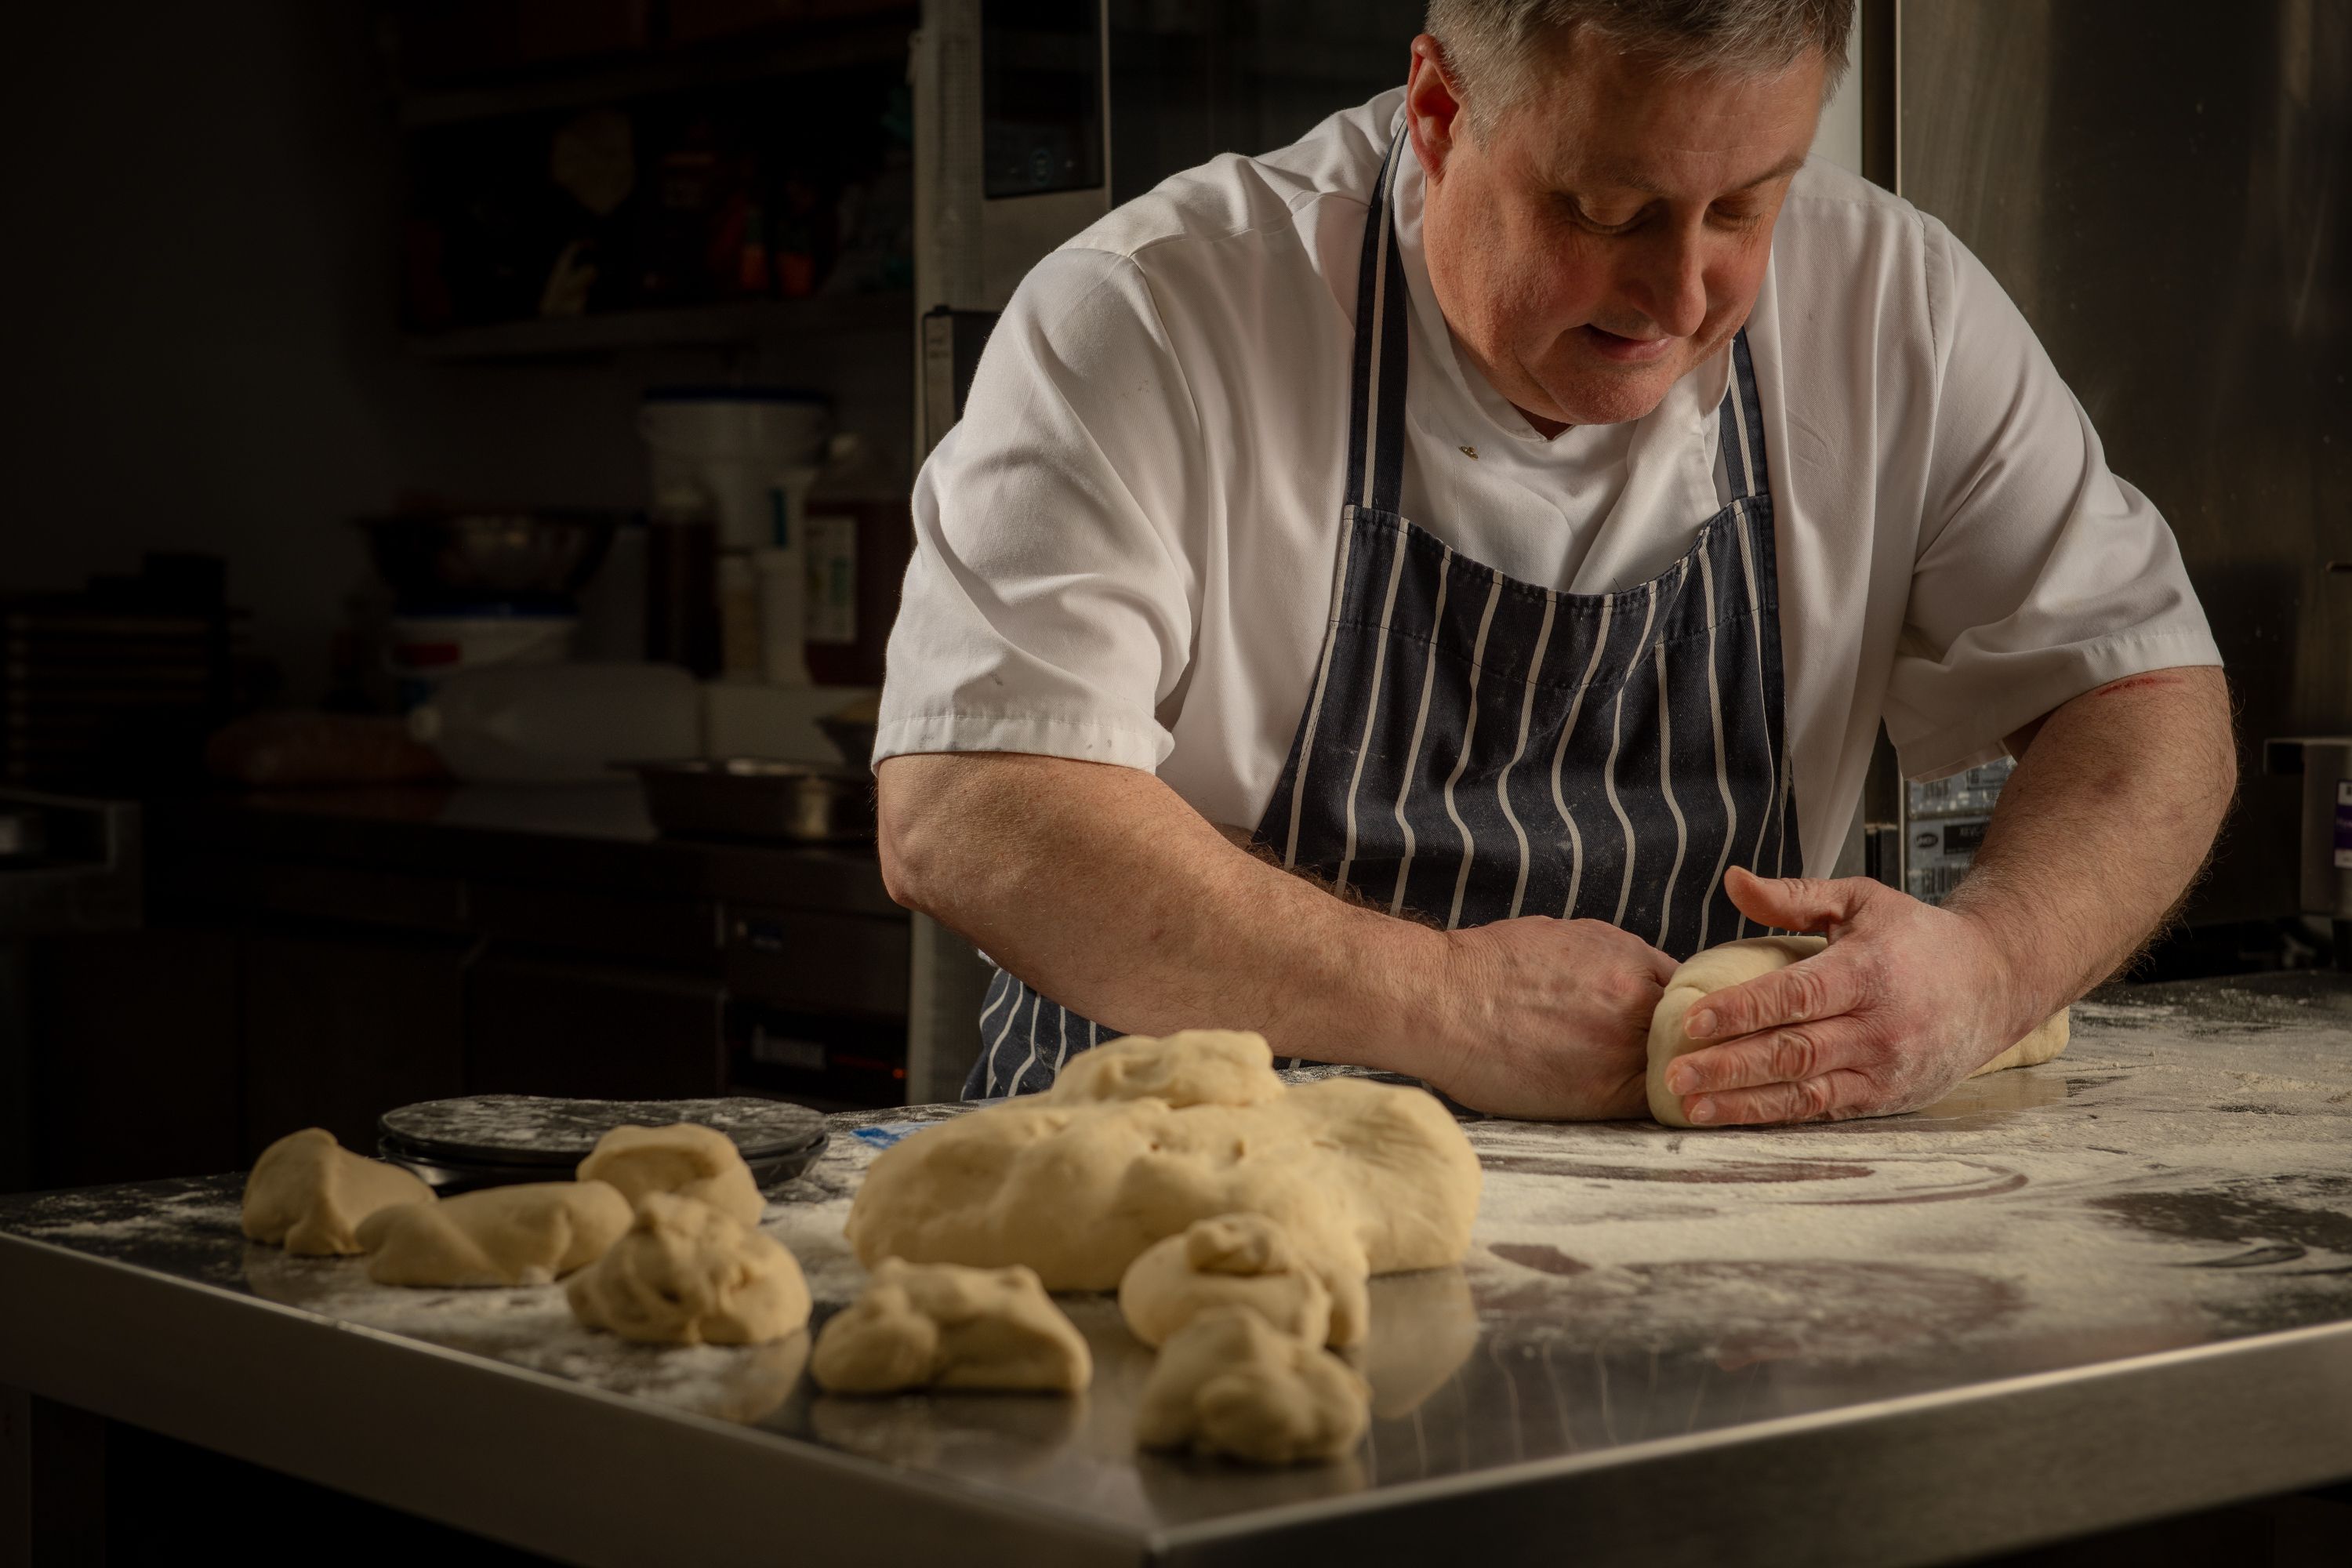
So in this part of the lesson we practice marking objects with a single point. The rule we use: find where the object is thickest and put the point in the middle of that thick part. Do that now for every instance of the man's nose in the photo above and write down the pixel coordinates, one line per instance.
(1668, 282)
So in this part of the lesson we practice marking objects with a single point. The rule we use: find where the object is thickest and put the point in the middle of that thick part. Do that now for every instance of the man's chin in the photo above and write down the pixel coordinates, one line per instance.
(1612, 399)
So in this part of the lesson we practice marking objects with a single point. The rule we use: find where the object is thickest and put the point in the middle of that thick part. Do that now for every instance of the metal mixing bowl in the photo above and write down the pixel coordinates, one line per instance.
(444, 557)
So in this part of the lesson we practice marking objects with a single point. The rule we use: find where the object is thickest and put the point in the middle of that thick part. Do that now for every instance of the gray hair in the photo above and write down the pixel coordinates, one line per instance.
(1489, 44)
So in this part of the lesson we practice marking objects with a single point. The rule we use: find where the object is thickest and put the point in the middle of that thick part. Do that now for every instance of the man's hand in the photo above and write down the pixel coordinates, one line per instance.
(1906, 1002)
(1553, 1018)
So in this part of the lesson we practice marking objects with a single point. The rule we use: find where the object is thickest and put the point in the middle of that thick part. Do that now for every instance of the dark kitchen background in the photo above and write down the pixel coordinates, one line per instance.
(550, 368)
(420, 412)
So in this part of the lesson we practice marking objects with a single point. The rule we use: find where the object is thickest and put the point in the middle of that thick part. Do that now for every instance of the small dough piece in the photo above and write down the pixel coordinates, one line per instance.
(527, 1234)
(1230, 1383)
(685, 1158)
(1142, 1137)
(308, 1193)
(1735, 963)
(1244, 1260)
(687, 1274)
(938, 1325)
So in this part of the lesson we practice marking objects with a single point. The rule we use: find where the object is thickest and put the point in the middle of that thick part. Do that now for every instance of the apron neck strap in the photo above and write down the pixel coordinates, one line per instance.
(1376, 395)
(1740, 426)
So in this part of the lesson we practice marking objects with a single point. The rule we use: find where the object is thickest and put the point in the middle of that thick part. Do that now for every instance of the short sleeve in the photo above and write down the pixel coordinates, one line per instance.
(1049, 607)
(2039, 574)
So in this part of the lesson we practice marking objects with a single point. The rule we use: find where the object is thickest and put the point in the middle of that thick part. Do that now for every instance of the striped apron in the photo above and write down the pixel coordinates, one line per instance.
(1476, 748)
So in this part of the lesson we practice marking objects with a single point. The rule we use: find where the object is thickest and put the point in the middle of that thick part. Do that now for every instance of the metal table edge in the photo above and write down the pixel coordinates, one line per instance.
(2014, 1462)
(651, 1484)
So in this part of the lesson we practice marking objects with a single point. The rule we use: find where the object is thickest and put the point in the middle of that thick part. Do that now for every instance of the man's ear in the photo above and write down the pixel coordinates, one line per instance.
(1432, 110)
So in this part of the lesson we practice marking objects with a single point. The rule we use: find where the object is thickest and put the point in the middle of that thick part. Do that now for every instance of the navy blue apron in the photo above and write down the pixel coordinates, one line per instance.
(1476, 748)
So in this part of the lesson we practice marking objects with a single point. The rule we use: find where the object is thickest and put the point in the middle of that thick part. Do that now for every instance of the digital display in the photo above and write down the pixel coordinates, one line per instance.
(1041, 96)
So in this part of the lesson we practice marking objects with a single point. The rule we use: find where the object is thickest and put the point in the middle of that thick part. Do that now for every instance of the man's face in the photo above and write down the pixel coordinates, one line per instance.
(1608, 233)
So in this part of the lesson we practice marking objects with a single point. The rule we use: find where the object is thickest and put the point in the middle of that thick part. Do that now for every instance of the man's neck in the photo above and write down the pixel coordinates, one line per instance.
(1547, 428)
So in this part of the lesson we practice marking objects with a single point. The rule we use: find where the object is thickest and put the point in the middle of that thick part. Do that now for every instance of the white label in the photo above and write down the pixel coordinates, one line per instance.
(832, 542)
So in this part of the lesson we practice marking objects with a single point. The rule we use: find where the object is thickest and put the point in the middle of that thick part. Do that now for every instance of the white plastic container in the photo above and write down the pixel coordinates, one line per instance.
(560, 723)
(434, 648)
(784, 638)
(736, 445)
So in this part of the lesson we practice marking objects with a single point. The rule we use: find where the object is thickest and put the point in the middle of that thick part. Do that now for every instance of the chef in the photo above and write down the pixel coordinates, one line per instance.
(1406, 592)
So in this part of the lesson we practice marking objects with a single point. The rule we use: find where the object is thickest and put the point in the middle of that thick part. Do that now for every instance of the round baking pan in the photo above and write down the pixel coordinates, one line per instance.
(496, 1140)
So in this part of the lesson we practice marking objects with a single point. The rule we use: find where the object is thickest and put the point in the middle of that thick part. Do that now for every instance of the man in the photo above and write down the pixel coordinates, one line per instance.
(1404, 592)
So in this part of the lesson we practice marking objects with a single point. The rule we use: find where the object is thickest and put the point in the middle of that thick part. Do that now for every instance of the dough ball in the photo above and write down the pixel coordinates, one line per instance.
(1735, 963)
(685, 1158)
(1241, 1260)
(1192, 1067)
(1230, 1382)
(937, 1325)
(527, 1234)
(1703, 975)
(1365, 1177)
(2046, 1044)
(308, 1193)
(687, 1273)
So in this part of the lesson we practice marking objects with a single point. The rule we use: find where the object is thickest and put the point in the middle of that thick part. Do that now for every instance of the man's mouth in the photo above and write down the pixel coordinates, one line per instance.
(1624, 349)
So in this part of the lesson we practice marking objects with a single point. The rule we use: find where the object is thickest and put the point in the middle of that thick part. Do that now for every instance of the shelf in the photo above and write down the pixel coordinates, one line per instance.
(819, 316)
(869, 44)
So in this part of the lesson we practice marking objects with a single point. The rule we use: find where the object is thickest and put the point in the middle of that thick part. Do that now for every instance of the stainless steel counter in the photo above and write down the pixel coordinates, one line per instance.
(2110, 1290)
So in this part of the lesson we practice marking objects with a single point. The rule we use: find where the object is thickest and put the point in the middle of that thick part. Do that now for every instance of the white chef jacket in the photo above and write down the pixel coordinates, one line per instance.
(1124, 551)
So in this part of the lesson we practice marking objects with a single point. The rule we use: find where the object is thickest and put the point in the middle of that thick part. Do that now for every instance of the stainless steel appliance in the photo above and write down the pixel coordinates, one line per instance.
(2163, 187)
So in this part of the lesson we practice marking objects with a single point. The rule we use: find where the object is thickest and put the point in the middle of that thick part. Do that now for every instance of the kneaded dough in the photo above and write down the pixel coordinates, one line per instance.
(1230, 1382)
(527, 1234)
(685, 1158)
(1142, 1137)
(1241, 1260)
(938, 1325)
(307, 1193)
(689, 1273)
(1736, 962)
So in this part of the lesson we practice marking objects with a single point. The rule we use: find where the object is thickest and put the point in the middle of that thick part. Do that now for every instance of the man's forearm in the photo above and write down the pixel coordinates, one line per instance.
(2100, 830)
(1100, 887)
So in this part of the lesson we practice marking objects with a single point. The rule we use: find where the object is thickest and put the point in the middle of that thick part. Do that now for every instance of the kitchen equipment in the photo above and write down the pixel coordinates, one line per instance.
(858, 533)
(2323, 877)
(754, 797)
(559, 724)
(735, 444)
(426, 649)
(68, 865)
(2054, 137)
(447, 559)
(494, 1140)
(113, 689)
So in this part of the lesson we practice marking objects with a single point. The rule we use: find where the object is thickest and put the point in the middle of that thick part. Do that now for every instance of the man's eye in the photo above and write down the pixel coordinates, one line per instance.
(1587, 221)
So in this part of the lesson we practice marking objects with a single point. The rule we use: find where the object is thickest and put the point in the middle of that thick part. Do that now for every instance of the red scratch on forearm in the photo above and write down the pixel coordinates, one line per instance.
(2135, 682)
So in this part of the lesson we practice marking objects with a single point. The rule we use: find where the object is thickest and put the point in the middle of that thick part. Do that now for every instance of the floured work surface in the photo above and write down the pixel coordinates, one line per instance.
(2183, 1177)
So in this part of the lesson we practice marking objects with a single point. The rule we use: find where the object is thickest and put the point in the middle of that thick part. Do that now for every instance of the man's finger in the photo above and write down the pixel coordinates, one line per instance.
(1777, 1055)
(1796, 903)
(1807, 992)
(1829, 1098)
